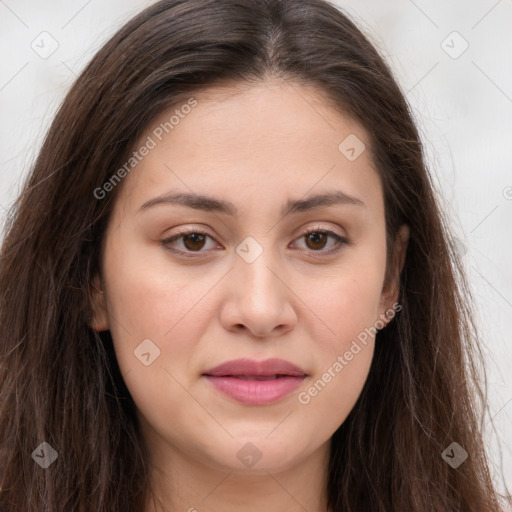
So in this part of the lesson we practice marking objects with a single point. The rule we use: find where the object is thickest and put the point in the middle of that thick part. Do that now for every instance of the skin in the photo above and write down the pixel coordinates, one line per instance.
(257, 148)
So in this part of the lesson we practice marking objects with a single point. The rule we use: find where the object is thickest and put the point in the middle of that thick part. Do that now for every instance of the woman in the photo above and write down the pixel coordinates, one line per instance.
(175, 333)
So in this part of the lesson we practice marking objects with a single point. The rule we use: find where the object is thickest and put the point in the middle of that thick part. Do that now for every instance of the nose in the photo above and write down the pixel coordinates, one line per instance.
(259, 298)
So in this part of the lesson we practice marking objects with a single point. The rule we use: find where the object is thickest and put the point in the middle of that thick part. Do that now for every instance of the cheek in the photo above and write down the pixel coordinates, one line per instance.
(147, 298)
(344, 340)
(347, 305)
(146, 292)
(333, 392)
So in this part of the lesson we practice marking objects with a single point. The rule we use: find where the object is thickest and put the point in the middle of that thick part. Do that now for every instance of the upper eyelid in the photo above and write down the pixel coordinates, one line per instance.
(301, 232)
(304, 228)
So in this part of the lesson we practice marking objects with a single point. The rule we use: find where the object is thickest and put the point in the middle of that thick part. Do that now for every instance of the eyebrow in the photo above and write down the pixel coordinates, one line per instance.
(212, 204)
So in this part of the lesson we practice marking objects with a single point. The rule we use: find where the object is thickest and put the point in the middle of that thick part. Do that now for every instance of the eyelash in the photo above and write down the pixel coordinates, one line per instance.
(340, 242)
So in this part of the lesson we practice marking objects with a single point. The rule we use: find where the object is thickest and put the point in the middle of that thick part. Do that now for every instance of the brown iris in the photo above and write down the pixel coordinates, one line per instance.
(316, 238)
(197, 241)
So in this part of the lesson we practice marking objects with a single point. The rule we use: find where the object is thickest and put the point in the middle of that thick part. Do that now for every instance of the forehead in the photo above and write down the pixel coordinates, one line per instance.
(267, 140)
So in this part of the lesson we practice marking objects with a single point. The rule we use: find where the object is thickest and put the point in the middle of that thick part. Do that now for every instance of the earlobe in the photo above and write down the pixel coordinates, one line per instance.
(391, 290)
(99, 321)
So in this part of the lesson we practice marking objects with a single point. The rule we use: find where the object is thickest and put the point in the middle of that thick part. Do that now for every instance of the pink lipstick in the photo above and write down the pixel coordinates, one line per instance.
(254, 382)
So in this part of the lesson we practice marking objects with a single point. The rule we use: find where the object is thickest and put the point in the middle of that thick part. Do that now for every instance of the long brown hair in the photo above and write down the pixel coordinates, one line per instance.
(59, 380)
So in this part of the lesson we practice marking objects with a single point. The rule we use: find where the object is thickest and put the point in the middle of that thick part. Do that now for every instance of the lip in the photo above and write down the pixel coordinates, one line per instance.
(256, 382)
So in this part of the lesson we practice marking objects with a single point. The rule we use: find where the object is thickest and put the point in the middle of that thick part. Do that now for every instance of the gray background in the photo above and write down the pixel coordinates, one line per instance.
(462, 102)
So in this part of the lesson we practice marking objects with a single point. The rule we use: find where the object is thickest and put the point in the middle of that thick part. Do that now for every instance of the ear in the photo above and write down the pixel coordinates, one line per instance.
(99, 320)
(391, 288)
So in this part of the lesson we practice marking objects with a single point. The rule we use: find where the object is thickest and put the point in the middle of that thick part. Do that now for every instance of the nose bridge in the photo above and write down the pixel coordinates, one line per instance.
(259, 299)
(256, 266)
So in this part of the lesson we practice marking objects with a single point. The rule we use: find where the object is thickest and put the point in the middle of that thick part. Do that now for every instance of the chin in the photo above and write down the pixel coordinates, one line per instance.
(256, 456)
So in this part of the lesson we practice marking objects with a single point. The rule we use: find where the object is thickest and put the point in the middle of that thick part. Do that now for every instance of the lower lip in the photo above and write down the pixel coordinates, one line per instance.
(256, 392)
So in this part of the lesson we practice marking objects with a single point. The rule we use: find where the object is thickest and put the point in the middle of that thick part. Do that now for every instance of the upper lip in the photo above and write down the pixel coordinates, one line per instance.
(253, 368)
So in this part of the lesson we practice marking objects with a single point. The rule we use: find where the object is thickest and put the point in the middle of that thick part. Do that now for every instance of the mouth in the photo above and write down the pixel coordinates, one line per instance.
(253, 377)
(251, 368)
(256, 382)
(253, 390)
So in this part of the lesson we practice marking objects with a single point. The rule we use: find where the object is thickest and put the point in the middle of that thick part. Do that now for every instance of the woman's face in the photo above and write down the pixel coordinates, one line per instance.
(249, 284)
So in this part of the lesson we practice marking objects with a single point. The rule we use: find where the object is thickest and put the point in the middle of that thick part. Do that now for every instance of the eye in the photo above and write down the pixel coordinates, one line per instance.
(316, 239)
(194, 241)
